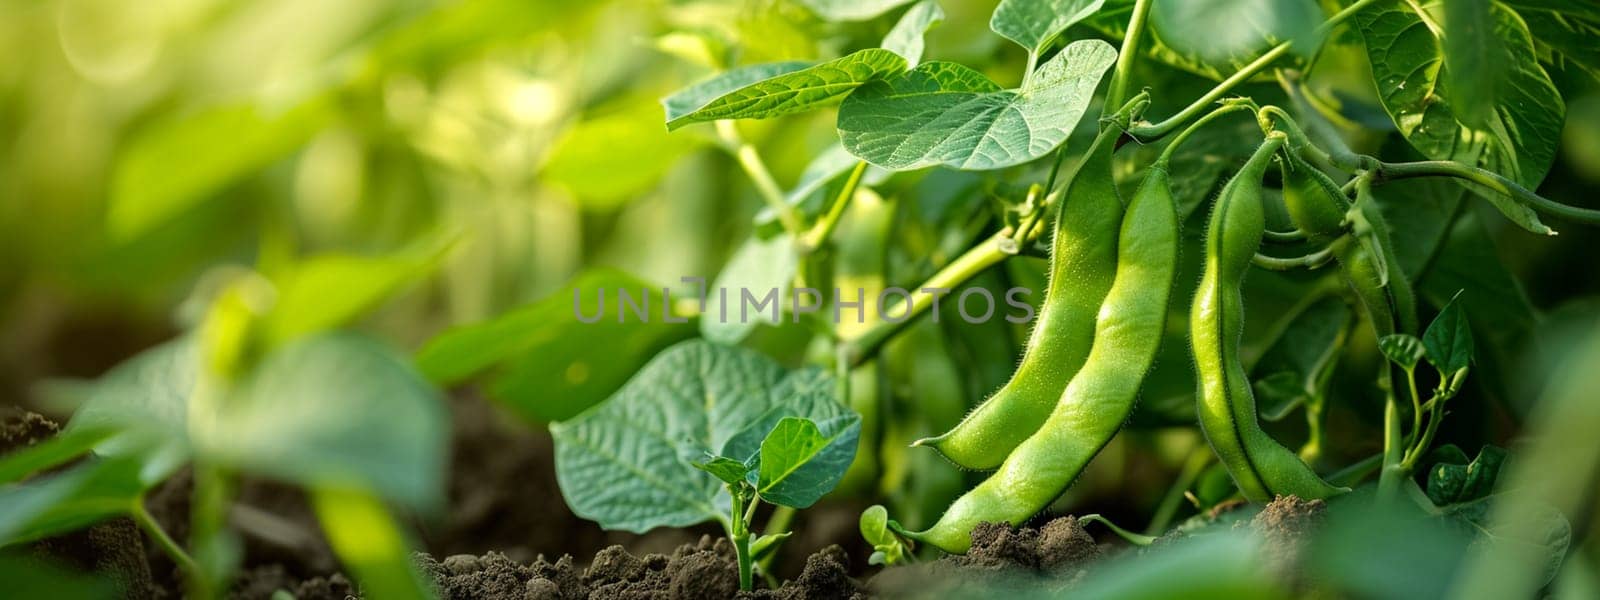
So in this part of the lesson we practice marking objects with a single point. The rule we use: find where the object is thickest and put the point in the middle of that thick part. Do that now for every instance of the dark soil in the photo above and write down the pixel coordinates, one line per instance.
(1000, 556)
(1283, 525)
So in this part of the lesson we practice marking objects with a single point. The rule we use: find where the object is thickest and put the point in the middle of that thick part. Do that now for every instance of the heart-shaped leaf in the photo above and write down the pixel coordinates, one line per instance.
(1449, 339)
(801, 460)
(945, 113)
(629, 463)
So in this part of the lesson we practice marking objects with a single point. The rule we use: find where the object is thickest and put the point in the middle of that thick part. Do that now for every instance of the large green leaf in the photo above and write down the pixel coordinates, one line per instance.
(786, 92)
(169, 168)
(850, 10)
(630, 463)
(1032, 24)
(545, 364)
(905, 38)
(801, 460)
(1518, 140)
(945, 113)
(684, 102)
(1565, 37)
(752, 289)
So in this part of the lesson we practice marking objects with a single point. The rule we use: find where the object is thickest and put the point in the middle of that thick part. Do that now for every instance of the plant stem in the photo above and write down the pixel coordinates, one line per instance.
(1489, 179)
(1149, 132)
(1389, 478)
(1199, 458)
(1130, 51)
(1183, 136)
(141, 517)
(739, 532)
(751, 162)
(818, 234)
(974, 261)
(1435, 417)
(1416, 405)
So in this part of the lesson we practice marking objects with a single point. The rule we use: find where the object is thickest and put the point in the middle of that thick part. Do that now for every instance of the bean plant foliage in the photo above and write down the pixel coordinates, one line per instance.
(1255, 247)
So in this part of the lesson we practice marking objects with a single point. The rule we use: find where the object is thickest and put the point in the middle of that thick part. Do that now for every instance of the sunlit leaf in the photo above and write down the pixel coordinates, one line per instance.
(1223, 32)
(945, 113)
(611, 158)
(1033, 23)
(905, 38)
(1520, 136)
(725, 469)
(850, 10)
(787, 92)
(327, 291)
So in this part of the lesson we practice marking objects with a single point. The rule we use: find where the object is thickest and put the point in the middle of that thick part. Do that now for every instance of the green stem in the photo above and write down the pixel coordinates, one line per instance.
(1137, 539)
(1489, 179)
(141, 517)
(1390, 477)
(1183, 136)
(1130, 51)
(756, 169)
(1353, 474)
(739, 532)
(1313, 260)
(1193, 467)
(1150, 132)
(1435, 417)
(818, 235)
(964, 267)
(1416, 406)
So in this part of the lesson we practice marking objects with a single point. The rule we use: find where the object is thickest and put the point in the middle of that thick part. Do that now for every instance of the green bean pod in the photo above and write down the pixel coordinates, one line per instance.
(1100, 397)
(1259, 465)
(1083, 257)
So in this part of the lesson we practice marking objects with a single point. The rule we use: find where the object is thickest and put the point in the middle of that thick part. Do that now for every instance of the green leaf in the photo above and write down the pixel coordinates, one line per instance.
(1473, 73)
(801, 461)
(1449, 339)
(545, 364)
(760, 268)
(1403, 349)
(49, 453)
(684, 102)
(1520, 137)
(327, 291)
(786, 91)
(171, 167)
(1566, 38)
(97, 489)
(875, 526)
(1032, 24)
(1451, 483)
(1218, 33)
(369, 541)
(905, 39)
(822, 172)
(850, 10)
(628, 463)
(944, 113)
(728, 470)
(607, 159)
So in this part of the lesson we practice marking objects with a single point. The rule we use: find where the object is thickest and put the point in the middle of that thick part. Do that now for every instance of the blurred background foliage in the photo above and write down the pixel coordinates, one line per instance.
(476, 156)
